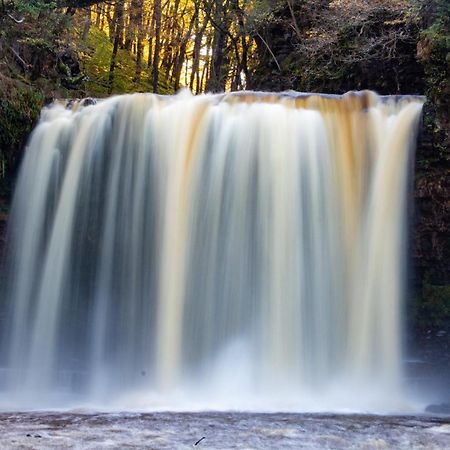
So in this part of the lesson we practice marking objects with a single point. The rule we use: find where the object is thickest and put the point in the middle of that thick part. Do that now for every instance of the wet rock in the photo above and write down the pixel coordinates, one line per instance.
(88, 101)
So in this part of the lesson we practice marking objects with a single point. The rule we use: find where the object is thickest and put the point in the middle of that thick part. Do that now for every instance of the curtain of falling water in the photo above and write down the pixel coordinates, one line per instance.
(244, 250)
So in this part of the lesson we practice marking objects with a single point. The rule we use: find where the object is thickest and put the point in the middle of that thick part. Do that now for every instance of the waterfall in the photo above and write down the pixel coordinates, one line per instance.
(240, 251)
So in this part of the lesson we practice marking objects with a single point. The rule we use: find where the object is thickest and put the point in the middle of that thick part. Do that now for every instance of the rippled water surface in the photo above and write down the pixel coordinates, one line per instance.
(210, 430)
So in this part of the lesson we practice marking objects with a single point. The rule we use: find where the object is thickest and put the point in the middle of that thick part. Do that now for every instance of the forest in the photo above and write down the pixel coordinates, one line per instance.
(53, 49)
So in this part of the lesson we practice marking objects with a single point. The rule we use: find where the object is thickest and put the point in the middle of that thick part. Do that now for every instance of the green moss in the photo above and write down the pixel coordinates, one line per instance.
(96, 63)
(35, 7)
(431, 308)
(434, 53)
(20, 107)
(37, 43)
(17, 110)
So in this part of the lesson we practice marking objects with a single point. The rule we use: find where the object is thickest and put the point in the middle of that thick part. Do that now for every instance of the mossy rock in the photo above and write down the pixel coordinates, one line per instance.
(431, 308)
(20, 106)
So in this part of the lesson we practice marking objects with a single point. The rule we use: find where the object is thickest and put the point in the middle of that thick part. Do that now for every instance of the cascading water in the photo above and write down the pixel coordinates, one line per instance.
(219, 251)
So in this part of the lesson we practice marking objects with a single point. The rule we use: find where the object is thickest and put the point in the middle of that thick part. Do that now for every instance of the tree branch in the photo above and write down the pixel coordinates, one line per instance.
(270, 51)
(80, 3)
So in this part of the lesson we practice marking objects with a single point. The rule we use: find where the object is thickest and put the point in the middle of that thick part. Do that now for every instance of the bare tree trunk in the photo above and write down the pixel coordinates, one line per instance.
(196, 53)
(98, 18)
(103, 19)
(117, 39)
(134, 23)
(140, 39)
(173, 35)
(157, 21)
(150, 42)
(87, 25)
(182, 53)
(217, 78)
(244, 61)
(112, 20)
(204, 79)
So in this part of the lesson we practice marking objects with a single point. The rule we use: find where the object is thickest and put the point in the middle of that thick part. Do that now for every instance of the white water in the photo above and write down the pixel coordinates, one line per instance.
(220, 430)
(223, 252)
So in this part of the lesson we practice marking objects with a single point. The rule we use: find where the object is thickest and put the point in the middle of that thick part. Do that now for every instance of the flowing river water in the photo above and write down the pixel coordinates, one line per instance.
(213, 430)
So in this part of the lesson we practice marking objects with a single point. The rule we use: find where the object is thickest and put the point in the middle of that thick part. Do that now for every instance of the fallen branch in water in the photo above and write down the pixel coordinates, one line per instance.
(200, 440)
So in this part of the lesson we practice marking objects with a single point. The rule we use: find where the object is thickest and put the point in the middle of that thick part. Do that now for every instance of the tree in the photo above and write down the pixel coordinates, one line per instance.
(117, 39)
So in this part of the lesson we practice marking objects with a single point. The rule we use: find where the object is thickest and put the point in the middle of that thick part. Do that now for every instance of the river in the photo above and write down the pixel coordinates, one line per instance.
(220, 430)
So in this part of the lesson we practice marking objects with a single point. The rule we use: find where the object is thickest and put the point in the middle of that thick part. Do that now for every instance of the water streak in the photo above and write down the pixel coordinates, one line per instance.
(241, 251)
